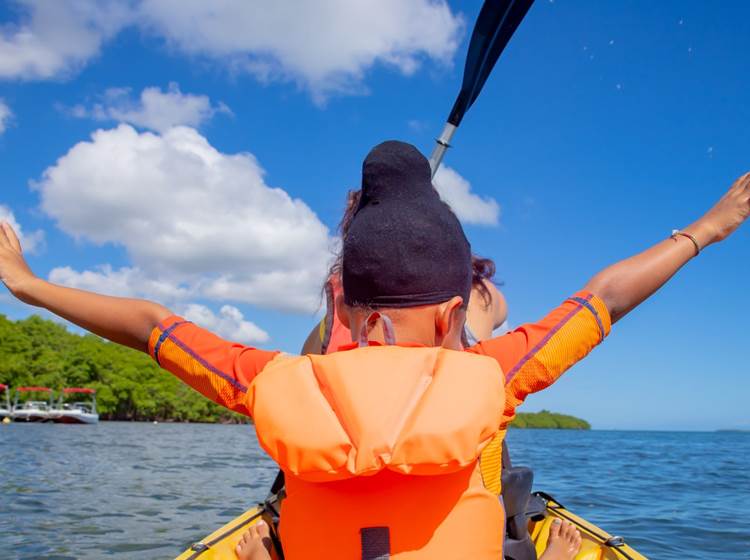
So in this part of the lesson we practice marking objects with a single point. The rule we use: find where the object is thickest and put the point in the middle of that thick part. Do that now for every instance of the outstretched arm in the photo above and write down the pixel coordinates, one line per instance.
(535, 355)
(122, 320)
(626, 284)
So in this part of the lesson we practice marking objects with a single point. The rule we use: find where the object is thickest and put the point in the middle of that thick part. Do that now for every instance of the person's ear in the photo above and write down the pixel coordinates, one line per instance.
(342, 310)
(449, 321)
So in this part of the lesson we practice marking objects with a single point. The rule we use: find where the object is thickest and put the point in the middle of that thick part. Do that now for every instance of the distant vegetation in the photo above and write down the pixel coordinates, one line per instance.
(129, 385)
(550, 420)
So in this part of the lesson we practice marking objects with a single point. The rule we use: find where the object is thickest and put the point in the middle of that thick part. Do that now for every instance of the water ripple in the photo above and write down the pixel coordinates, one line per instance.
(124, 490)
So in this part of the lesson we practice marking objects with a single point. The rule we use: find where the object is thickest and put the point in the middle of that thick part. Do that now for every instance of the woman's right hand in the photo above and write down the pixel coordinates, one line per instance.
(727, 215)
(14, 272)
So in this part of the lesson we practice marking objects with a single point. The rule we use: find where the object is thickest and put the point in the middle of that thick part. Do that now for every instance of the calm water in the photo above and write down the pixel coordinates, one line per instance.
(124, 491)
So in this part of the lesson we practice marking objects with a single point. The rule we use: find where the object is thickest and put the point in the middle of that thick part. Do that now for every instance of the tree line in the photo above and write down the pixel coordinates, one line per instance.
(129, 385)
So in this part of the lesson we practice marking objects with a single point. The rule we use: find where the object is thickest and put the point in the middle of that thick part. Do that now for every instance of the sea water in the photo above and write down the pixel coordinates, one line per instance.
(147, 491)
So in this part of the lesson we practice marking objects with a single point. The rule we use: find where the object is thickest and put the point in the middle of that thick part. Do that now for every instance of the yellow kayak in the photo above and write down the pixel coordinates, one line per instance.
(221, 543)
(597, 544)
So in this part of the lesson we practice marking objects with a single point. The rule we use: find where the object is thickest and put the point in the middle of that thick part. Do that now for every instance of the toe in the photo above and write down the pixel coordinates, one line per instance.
(554, 530)
(262, 529)
(573, 538)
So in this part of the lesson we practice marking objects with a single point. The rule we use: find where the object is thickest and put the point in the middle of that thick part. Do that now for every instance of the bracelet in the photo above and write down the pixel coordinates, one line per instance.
(676, 232)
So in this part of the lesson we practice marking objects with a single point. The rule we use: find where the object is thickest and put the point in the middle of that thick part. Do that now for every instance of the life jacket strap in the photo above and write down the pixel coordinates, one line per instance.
(376, 543)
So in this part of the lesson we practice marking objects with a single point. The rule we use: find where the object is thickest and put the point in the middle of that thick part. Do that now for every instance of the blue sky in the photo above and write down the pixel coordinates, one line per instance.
(604, 126)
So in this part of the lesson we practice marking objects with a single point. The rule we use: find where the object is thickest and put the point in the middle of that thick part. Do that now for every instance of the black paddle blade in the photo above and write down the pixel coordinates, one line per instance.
(497, 22)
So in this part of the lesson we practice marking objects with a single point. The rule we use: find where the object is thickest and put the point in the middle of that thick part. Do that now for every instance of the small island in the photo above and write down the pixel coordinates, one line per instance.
(549, 420)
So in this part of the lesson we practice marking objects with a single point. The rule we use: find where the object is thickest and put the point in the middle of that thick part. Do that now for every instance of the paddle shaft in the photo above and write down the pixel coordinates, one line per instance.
(497, 21)
(443, 143)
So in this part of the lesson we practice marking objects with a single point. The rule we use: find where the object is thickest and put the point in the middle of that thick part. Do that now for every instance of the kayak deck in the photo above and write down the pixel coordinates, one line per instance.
(596, 543)
(220, 544)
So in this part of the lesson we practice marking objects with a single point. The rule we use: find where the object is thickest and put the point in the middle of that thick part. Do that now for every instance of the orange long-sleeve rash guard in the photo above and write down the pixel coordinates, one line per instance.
(532, 357)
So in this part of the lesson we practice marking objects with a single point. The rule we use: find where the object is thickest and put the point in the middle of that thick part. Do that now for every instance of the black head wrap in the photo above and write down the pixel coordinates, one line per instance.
(405, 247)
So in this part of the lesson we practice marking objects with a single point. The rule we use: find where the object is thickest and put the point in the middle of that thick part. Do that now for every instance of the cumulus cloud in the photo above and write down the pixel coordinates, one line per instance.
(5, 115)
(155, 109)
(229, 323)
(122, 282)
(469, 207)
(53, 38)
(325, 46)
(189, 217)
(30, 242)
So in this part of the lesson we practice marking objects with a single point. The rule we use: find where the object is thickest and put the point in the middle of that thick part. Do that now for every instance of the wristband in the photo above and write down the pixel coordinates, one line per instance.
(677, 232)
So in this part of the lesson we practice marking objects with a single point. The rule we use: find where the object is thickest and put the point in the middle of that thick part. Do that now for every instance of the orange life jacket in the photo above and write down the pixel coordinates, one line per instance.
(380, 447)
(333, 335)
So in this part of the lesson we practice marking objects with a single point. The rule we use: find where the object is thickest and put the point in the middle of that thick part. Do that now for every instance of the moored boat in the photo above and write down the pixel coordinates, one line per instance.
(5, 410)
(75, 412)
(32, 410)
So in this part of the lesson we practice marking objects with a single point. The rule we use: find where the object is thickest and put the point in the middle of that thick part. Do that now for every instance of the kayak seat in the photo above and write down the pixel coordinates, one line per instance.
(520, 505)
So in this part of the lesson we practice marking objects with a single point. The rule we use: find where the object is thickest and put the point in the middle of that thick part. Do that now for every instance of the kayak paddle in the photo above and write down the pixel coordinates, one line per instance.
(497, 22)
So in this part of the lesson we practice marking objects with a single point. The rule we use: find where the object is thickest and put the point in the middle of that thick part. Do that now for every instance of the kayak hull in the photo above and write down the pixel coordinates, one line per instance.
(220, 544)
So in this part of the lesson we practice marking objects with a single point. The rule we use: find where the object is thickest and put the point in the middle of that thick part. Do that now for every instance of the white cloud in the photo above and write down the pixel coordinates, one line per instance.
(229, 323)
(154, 109)
(188, 216)
(53, 38)
(469, 207)
(325, 46)
(30, 242)
(123, 282)
(5, 115)
(417, 126)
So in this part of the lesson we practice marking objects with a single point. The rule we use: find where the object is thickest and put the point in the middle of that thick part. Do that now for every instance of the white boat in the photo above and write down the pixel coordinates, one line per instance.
(5, 410)
(32, 411)
(75, 412)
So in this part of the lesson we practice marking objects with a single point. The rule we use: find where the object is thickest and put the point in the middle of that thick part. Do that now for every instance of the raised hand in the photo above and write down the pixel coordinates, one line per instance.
(122, 320)
(729, 213)
(14, 272)
(625, 284)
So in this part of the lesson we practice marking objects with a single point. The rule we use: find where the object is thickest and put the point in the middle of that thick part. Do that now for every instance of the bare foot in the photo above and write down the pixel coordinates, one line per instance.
(564, 541)
(255, 544)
